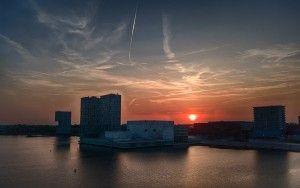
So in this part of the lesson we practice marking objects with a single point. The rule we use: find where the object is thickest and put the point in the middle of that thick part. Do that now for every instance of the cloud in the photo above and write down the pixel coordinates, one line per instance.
(180, 68)
(84, 46)
(39, 82)
(19, 48)
(117, 33)
(167, 39)
(270, 55)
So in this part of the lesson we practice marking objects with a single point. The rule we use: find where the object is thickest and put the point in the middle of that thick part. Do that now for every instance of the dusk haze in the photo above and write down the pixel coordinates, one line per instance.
(168, 59)
(149, 93)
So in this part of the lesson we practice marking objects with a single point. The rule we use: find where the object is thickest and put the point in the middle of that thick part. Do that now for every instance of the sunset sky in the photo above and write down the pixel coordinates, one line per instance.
(168, 59)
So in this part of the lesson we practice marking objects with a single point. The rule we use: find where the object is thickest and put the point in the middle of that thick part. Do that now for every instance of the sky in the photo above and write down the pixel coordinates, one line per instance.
(168, 59)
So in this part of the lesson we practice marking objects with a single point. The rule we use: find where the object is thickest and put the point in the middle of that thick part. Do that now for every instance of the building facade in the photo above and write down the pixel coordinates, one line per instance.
(269, 121)
(111, 112)
(181, 133)
(100, 114)
(64, 122)
(90, 116)
(151, 130)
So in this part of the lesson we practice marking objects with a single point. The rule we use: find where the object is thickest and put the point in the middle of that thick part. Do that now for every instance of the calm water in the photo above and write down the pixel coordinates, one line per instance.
(50, 162)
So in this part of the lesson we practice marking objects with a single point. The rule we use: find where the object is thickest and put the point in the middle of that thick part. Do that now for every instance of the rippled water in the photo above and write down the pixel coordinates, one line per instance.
(52, 162)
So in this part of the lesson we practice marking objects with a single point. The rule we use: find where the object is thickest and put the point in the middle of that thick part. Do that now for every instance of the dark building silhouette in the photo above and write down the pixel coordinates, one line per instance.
(64, 122)
(99, 114)
(269, 121)
(90, 115)
(235, 130)
(111, 112)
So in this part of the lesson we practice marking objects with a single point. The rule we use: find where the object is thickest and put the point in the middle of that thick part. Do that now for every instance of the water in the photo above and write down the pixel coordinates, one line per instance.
(50, 162)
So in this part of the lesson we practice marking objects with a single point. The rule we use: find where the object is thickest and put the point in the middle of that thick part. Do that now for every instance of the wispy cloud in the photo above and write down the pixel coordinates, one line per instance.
(19, 48)
(117, 33)
(181, 68)
(167, 35)
(270, 55)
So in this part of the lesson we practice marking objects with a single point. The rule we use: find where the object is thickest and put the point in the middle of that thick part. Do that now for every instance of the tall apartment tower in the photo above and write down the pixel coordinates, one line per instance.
(100, 114)
(90, 115)
(269, 121)
(111, 112)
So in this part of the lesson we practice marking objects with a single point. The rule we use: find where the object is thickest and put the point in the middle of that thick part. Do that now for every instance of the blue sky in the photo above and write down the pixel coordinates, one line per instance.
(167, 58)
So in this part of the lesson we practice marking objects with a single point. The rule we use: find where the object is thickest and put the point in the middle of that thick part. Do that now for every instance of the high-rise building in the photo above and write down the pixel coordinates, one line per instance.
(111, 112)
(99, 114)
(64, 122)
(90, 115)
(269, 121)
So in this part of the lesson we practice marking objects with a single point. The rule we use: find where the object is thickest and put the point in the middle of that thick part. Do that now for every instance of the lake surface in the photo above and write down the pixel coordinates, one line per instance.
(52, 162)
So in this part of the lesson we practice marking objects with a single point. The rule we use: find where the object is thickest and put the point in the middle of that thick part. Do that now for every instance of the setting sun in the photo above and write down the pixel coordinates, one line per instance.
(192, 117)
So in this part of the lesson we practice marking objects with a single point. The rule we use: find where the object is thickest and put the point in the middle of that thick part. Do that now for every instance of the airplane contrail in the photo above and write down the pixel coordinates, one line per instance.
(132, 30)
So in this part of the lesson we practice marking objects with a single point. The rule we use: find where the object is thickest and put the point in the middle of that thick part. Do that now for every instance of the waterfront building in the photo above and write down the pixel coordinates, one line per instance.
(139, 134)
(100, 114)
(64, 122)
(111, 112)
(151, 130)
(269, 121)
(90, 116)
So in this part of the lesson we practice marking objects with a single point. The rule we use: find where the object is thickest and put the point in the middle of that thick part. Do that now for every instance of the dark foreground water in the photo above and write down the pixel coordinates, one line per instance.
(51, 162)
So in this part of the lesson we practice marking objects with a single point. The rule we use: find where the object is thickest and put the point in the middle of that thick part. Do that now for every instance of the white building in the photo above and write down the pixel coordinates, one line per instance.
(118, 135)
(151, 130)
(147, 130)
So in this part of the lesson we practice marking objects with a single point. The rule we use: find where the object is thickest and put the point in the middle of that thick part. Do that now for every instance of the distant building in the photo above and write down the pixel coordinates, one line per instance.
(232, 130)
(298, 120)
(100, 114)
(64, 122)
(269, 121)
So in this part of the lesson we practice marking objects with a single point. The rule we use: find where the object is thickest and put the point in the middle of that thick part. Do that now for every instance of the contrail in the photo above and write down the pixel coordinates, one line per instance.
(132, 30)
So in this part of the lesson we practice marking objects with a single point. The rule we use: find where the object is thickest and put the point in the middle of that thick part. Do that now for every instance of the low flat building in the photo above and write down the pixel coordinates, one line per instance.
(118, 135)
(139, 134)
(151, 130)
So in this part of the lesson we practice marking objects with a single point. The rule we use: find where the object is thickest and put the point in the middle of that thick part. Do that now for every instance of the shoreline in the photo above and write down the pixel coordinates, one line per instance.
(193, 141)
(251, 144)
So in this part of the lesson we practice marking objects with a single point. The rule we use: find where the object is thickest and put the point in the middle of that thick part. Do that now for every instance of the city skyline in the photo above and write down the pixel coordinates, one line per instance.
(168, 60)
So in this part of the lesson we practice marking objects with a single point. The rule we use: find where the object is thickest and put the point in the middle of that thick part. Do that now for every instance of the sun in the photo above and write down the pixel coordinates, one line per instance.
(192, 117)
